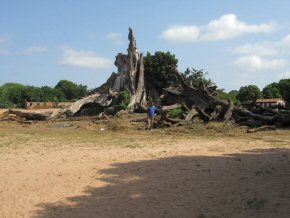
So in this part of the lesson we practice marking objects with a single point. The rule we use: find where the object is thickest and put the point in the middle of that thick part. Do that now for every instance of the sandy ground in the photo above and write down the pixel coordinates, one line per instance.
(83, 171)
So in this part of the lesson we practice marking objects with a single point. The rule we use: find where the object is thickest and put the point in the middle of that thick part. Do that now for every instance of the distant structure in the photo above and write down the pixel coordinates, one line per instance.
(267, 103)
(46, 105)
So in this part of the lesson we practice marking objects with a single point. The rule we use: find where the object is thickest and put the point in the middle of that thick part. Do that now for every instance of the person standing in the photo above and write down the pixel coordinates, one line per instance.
(151, 113)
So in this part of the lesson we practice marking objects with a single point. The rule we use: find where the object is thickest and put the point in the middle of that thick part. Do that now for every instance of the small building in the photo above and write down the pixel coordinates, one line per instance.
(46, 105)
(267, 103)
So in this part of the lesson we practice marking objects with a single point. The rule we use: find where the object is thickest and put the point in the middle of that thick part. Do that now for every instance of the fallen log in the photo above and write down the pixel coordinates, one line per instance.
(30, 115)
(261, 128)
(202, 114)
(174, 120)
(217, 111)
(171, 107)
(229, 112)
(191, 114)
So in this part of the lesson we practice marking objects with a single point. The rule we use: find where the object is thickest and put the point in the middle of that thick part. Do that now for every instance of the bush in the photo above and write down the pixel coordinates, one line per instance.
(175, 113)
(124, 100)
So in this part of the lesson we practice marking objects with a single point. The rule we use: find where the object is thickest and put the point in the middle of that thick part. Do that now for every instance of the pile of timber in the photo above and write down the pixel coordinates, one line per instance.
(199, 103)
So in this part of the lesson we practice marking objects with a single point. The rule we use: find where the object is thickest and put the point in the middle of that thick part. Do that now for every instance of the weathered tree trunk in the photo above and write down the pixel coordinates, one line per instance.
(229, 112)
(29, 115)
(130, 78)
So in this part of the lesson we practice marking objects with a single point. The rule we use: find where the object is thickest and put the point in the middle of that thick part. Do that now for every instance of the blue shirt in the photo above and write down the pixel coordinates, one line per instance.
(152, 110)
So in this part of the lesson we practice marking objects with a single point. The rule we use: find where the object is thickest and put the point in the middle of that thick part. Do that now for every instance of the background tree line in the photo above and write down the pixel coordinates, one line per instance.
(14, 94)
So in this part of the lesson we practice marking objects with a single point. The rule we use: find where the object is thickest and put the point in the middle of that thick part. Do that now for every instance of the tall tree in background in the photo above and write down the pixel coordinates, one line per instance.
(159, 70)
(50, 94)
(232, 95)
(13, 93)
(70, 89)
(284, 88)
(196, 77)
(249, 93)
(272, 91)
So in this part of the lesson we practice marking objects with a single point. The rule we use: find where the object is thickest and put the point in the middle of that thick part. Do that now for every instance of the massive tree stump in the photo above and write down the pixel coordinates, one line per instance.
(130, 78)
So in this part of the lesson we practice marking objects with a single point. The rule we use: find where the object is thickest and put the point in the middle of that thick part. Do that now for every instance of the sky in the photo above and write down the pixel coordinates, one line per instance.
(238, 42)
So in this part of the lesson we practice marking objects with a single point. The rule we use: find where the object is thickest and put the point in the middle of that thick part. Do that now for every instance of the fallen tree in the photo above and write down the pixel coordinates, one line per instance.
(196, 102)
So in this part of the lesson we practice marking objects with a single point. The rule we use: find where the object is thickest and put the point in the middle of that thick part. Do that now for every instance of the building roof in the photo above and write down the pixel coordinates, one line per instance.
(269, 100)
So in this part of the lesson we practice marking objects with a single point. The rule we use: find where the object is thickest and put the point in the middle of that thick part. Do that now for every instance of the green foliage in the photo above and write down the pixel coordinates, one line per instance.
(232, 95)
(249, 93)
(272, 91)
(124, 100)
(69, 89)
(159, 70)
(175, 113)
(14, 94)
(4, 100)
(196, 77)
(50, 94)
(83, 90)
(222, 95)
(284, 88)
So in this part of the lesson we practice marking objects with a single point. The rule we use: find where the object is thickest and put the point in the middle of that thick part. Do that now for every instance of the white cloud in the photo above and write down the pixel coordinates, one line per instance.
(265, 48)
(116, 38)
(86, 59)
(225, 27)
(181, 33)
(228, 26)
(256, 63)
(35, 50)
(262, 49)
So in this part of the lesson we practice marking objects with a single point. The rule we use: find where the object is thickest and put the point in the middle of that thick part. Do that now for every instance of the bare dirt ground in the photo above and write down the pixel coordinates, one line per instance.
(81, 169)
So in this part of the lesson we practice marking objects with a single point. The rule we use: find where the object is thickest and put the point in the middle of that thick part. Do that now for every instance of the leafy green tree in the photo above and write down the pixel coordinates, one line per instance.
(31, 93)
(13, 93)
(196, 77)
(159, 70)
(272, 91)
(70, 89)
(232, 95)
(249, 93)
(284, 88)
(50, 94)
(83, 90)
(4, 99)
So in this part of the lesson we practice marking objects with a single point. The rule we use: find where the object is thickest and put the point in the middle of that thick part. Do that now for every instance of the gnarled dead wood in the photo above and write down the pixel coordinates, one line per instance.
(229, 112)
(205, 117)
(30, 115)
(174, 120)
(191, 114)
(171, 107)
(217, 111)
(261, 128)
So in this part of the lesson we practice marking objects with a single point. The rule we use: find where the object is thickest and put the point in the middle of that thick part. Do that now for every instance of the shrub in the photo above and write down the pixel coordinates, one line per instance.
(125, 98)
(175, 113)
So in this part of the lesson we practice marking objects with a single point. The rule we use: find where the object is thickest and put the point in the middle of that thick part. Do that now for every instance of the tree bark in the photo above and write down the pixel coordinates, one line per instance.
(30, 115)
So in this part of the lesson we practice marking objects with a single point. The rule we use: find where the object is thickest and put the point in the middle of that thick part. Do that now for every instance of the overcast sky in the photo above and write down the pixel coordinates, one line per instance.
(237, 42)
